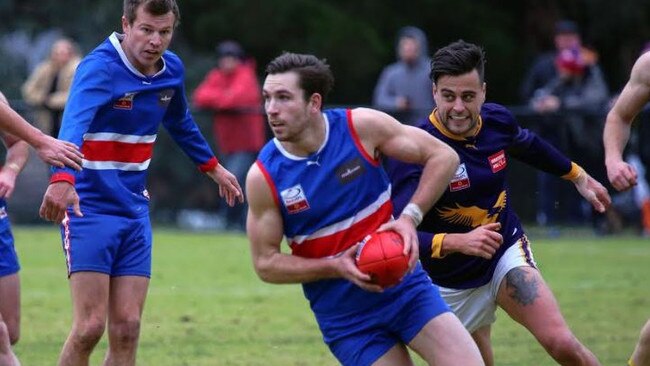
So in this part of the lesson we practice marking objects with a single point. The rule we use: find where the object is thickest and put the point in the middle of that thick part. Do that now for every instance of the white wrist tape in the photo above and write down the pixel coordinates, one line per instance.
(414, 212)
(13, 166)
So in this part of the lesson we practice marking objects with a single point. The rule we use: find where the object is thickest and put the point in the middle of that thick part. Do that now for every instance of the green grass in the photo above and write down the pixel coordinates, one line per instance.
(207, 307)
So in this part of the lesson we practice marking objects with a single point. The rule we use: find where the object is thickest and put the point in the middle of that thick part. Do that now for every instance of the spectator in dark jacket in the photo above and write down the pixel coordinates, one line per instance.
(568, 93)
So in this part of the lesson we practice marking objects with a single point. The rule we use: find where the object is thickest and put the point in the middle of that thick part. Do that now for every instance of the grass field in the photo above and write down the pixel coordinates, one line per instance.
(207, 307)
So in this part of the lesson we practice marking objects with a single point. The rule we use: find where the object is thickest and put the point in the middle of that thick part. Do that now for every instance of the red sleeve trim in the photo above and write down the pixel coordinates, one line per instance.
(62, 177)
(357, 140)
(209, 165)
(269, 180)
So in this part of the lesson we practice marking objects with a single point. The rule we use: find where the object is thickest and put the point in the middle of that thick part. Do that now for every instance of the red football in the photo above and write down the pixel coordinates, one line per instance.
(381, 256)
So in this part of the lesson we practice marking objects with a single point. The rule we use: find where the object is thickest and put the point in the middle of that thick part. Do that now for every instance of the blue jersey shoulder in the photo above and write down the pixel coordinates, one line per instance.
(173, 63)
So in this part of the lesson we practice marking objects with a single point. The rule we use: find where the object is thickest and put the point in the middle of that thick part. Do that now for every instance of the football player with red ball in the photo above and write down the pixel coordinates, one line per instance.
(320, 184)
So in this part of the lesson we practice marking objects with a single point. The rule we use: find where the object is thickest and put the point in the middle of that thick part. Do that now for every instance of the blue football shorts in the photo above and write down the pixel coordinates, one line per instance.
(8, 257)
(361, 338)
(115, 245)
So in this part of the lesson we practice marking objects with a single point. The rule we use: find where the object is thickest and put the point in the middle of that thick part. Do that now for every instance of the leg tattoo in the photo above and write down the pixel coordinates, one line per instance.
(521, 289)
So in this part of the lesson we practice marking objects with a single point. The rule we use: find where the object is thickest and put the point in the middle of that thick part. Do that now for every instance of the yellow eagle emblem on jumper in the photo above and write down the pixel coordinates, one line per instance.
(473, 216)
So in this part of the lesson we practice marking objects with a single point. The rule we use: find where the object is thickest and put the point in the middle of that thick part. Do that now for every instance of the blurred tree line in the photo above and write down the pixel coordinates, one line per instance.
(356, 37)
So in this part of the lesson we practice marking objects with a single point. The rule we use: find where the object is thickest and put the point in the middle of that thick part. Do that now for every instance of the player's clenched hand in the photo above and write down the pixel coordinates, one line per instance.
(59, 153)
(7, 182)
(405, 227)
(480, 242)
(346, 266)
(622, 175)
(229, 188)
(58, 197)
(592, 191)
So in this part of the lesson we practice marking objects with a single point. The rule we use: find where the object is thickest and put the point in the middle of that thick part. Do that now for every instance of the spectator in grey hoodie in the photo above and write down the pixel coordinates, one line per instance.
(404, 87)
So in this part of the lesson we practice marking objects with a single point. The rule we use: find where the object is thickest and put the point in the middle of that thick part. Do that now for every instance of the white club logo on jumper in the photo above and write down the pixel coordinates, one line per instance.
(314, 161)
(165, 96)
(460, 179)
(294, 199)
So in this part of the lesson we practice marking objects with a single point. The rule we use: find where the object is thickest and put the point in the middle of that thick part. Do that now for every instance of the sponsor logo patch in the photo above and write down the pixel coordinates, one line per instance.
(350, 170)
(460, 179)
(498, 161)
(294, 199)
(126, 102)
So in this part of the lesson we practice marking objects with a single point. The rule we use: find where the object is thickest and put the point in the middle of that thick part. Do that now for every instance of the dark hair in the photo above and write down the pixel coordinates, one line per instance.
(154, 7)
(314, 75)
(457, 58)
(230, 48)
(566, 27)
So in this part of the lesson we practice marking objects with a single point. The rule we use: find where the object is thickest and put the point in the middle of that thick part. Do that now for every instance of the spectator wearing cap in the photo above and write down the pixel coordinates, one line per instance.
(232, 93)
(566, 90)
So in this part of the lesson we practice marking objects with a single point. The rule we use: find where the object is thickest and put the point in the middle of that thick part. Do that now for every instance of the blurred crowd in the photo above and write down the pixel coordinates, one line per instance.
(564, 97)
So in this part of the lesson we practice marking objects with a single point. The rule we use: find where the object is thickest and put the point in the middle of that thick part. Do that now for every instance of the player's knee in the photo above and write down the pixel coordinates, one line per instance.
(644, 337)
(13, 327)
(125, 331)
(88, 333)
(14, 335)
(563, 347)
(4, 332)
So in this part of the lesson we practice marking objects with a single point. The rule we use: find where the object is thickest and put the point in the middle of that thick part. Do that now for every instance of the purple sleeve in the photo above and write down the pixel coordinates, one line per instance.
(535, 151)
(525, 145)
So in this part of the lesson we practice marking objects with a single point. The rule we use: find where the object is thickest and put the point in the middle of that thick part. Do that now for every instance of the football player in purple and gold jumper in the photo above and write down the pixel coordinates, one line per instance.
(471, 242)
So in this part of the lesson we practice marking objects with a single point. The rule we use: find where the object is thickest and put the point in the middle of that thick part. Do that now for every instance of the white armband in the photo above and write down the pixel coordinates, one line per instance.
(412, 210)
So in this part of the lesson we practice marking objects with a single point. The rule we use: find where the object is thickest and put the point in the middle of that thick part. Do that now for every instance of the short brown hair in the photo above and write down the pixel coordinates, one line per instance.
(314, 75)
(154, 7)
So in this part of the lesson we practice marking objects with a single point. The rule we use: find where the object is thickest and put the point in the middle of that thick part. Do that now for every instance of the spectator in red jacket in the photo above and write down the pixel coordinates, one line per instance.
(232, 92)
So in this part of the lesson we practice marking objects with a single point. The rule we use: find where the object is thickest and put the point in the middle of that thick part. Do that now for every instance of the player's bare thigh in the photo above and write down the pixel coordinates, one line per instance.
(526, 297)
(445, 342)
(127, 297)
(89, 292)
(396, 356)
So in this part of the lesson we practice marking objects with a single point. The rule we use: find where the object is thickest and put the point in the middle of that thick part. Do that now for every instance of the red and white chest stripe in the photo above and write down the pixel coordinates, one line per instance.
(107, 150)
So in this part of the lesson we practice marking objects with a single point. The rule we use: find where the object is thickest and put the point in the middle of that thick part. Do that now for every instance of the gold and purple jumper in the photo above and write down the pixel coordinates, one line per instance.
(477, 194)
